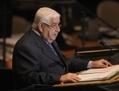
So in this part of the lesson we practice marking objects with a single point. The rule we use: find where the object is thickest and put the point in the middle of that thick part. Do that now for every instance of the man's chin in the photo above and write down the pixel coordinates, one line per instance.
(51, 40)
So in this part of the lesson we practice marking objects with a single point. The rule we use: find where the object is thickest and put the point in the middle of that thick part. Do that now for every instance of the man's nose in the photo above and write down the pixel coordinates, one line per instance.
(58, 29)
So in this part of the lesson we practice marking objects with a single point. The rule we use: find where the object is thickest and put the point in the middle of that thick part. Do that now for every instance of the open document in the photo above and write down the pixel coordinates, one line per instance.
(99, 74)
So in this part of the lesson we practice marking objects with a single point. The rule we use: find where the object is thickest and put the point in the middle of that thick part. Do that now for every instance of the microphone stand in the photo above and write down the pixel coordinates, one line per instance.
(114, 59)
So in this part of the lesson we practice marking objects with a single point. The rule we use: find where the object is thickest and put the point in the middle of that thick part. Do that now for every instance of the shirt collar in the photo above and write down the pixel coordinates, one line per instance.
(39, 35)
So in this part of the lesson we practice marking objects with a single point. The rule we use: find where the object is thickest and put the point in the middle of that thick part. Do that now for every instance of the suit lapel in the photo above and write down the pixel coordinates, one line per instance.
(46, 49)
(59, 53)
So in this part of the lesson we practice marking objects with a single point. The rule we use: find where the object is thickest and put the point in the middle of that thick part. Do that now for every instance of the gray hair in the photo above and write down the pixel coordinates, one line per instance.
(44, 15)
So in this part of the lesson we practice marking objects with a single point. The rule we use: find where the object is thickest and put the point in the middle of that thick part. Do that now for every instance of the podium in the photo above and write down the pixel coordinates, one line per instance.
(83, 87)
(107, 85)
(114, 87)
(67, 88)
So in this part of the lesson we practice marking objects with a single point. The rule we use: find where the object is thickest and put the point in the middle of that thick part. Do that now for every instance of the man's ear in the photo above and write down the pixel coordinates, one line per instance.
(40, 26)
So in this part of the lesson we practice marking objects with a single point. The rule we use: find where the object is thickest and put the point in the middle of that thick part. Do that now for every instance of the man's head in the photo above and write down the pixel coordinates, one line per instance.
(47, 21)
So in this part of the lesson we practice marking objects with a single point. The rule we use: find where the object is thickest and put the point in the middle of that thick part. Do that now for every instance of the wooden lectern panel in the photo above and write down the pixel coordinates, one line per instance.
(100, 82)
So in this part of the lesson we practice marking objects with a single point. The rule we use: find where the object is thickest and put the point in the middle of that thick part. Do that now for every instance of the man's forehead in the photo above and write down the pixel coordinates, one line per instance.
(55, 22)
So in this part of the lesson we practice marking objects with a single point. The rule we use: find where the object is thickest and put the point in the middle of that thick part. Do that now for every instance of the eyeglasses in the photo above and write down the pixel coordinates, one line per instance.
(53, 25)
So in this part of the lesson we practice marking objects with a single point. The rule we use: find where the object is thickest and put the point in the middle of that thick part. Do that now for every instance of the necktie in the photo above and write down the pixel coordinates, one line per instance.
(52, 48)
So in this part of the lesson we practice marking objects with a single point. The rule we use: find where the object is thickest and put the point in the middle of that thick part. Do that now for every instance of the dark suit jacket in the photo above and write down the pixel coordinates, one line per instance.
(34, 62)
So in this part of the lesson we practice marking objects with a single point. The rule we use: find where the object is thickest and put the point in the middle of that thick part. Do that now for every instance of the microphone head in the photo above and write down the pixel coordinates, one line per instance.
(102, 43)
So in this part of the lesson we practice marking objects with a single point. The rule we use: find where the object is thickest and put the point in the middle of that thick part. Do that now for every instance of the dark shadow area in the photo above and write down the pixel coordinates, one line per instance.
(6, 79)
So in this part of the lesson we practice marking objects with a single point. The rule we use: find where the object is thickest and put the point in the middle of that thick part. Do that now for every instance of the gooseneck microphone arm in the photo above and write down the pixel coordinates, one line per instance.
(114, 58)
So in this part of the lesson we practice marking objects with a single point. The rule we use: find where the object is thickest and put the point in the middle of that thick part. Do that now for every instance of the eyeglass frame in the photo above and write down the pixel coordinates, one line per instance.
(52, 26)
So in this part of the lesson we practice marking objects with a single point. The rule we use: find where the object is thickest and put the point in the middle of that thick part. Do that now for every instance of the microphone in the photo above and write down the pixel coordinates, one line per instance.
(114, 59)
(104, 44)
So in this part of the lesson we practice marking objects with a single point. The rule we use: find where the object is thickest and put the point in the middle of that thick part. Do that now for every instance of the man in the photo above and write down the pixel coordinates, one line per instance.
(37, 58)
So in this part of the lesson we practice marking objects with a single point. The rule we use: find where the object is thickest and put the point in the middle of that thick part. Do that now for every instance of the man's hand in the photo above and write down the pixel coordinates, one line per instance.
(69, 77)
(102, 63)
